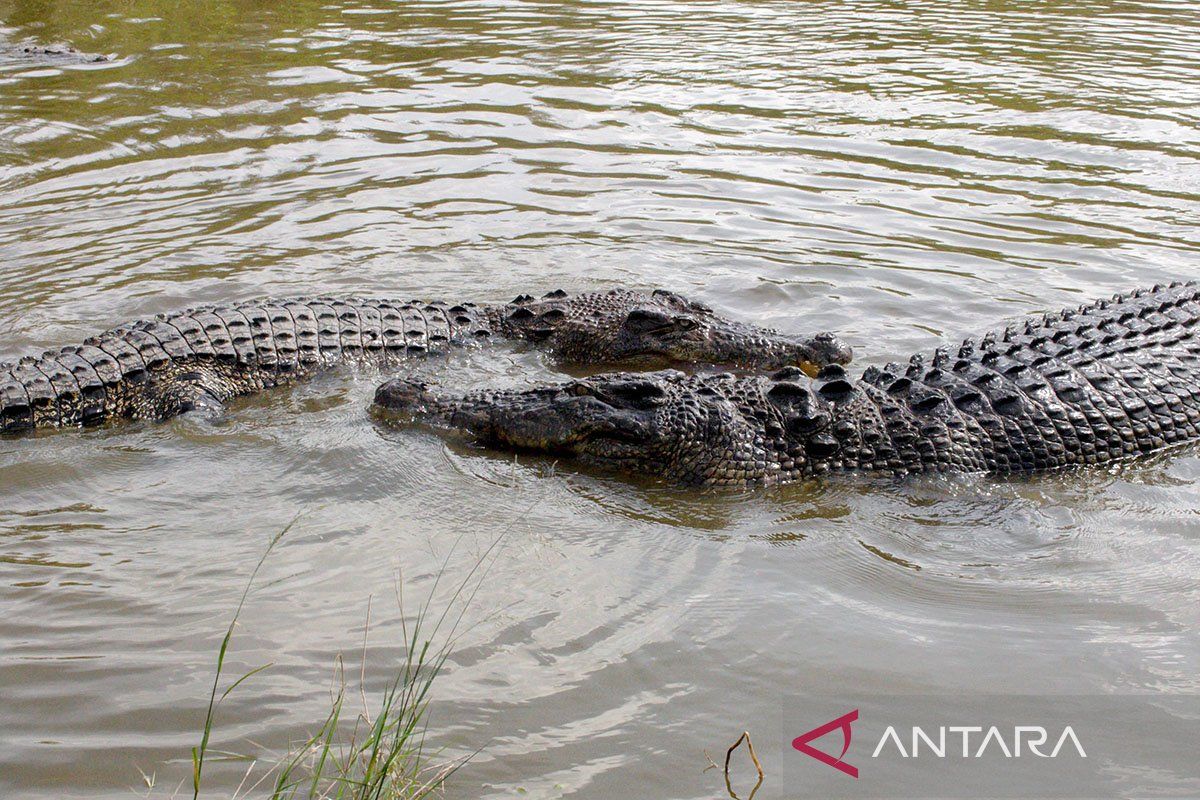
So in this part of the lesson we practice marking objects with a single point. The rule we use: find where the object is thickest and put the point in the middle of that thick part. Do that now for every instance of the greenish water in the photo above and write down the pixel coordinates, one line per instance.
(902, 172)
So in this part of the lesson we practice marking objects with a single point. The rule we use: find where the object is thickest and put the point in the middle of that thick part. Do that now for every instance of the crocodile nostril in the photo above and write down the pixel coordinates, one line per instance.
(401, 393)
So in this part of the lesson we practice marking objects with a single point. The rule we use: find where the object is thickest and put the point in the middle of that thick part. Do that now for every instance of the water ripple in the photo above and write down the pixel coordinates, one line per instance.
(904, 172)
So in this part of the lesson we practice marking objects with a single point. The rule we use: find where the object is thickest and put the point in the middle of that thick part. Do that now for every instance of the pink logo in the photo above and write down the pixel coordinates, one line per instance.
(801, 743)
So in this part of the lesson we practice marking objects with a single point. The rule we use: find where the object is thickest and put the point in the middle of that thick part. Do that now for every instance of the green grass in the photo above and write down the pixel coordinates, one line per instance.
(378, 755)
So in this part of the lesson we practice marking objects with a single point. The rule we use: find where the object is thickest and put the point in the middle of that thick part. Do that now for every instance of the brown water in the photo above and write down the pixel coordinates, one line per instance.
(902, 172)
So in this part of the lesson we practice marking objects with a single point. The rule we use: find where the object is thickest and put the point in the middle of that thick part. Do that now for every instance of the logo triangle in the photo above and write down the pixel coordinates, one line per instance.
(843, 722)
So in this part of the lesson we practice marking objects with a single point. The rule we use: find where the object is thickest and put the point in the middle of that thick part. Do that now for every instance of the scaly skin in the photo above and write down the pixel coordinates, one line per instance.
(1083, 387)
(199, 358)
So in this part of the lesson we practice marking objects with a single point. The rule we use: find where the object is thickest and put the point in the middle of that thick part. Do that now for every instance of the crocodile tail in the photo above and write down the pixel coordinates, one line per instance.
(76, 385)
(97, 380)
(120, 372)
(133, 370)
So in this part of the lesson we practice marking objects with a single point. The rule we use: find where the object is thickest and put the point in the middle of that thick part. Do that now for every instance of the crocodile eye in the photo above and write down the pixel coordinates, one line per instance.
(686, 323)
(637, 393)
(647, 320)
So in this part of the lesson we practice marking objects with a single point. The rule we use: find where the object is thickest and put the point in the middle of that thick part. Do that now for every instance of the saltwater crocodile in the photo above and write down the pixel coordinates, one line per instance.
(1087, 386)
(199, 358)
(33, 54)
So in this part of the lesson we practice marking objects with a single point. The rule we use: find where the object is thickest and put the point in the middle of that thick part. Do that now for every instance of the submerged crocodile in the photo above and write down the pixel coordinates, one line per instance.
(32, 53)
(1113, 379)
(199, 358)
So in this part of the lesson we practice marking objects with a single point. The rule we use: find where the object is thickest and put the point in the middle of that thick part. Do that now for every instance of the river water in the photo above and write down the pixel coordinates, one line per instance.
(902, 172)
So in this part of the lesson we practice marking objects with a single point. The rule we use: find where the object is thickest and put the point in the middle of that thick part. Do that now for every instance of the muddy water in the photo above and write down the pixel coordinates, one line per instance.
(903, 172)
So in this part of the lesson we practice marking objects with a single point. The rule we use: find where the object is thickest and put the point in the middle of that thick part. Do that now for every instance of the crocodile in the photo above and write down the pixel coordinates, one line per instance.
(39, 54)
(1085, 386)
(199, 358)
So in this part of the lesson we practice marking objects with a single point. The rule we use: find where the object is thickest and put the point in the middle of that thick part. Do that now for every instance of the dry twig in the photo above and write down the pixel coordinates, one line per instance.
(728, 755)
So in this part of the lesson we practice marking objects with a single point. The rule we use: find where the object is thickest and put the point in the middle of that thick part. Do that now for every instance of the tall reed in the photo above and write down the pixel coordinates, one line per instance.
(381, 755)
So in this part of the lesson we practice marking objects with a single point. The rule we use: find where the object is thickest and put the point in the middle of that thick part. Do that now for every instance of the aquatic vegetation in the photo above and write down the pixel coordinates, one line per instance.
(381, 753)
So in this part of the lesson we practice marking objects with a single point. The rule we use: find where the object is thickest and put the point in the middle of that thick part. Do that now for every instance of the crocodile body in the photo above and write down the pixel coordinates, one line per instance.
(38, 54)
(1086, 386)
(201, 357)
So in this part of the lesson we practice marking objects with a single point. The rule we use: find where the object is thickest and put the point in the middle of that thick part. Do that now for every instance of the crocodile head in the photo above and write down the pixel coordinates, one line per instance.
(658, 329)
(690, 429)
